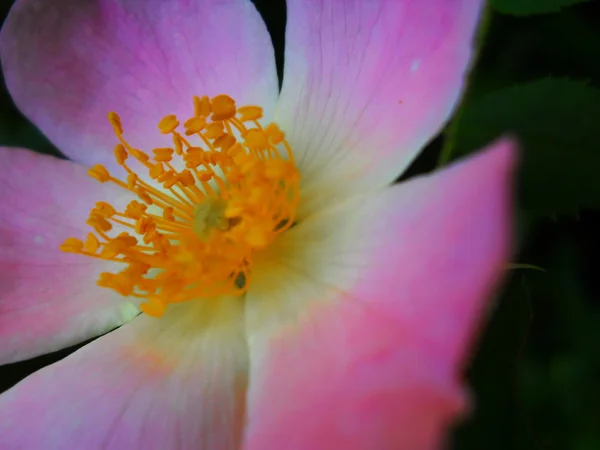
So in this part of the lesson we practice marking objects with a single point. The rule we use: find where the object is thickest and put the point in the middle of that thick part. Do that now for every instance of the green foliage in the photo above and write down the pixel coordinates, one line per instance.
(527, 7)
(556, 122)
(24, 134)
(521, 266)
(559, 368)
(15, 131)
(498, 422)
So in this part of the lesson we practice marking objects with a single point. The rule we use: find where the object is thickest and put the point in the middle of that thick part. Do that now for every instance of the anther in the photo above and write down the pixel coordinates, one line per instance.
(224, 142)
(194, 125)
(100, 173)
(135, 209)
(256, 139)
(168, 124)
(274, 134)
(248, 113)
(132, 179)
(120, 154)
(154, 307)
(202, 107)
(91, 244)
(163, 154)
(223, 107)
(105, 209)
(72, 245)
(214, 130)
(186, 178)
(115, 121)
(156, 171)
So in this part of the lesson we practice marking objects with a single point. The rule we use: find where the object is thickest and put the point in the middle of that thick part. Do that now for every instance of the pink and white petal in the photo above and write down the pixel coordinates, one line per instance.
(345, 377)
(367, 83)
(49, 299)
(67, 64)
(177, 382)
(383, 296)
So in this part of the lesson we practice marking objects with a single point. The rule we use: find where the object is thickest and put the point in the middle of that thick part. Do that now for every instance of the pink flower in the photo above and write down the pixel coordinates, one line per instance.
(351, 327)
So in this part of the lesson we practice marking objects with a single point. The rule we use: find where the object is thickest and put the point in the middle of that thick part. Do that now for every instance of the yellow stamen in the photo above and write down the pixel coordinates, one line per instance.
(205, 208)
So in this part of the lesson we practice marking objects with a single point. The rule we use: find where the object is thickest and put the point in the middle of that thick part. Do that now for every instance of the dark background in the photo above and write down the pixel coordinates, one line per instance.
(536, 372)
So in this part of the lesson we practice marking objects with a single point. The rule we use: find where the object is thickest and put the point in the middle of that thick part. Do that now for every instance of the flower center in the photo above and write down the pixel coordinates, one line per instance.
(203, 208)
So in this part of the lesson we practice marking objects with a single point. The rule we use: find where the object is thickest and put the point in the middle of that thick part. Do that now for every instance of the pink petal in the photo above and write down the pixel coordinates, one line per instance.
(68, 63)
(389, 289)
(49, 299)
(177, 382)
(367, 83)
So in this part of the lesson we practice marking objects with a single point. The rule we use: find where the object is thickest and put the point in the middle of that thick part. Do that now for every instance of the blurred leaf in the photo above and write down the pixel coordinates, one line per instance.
(556, 122)
(498, 421)
(20, 133)
(514, 266)
(560, 396)
(527, 7)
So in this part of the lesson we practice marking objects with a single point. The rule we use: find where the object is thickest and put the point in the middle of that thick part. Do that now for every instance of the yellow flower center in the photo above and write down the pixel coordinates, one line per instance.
(204, 208)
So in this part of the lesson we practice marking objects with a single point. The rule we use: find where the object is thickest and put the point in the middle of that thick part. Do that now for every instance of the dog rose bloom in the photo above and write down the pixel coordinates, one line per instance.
(275, 289)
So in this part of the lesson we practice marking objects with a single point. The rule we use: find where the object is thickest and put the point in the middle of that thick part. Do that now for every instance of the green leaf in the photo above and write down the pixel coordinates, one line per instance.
(515, 266)
(497, 421)
(556, 122)
(527, 7)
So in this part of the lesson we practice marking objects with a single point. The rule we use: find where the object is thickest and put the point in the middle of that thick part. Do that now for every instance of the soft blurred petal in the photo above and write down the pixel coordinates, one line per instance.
(382, 297)
(49, 299)
(366, 84)
(177, 382)
(68, 63)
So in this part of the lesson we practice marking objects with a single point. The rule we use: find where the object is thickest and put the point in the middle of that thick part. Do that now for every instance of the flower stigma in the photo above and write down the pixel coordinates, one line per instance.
(202, 210)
